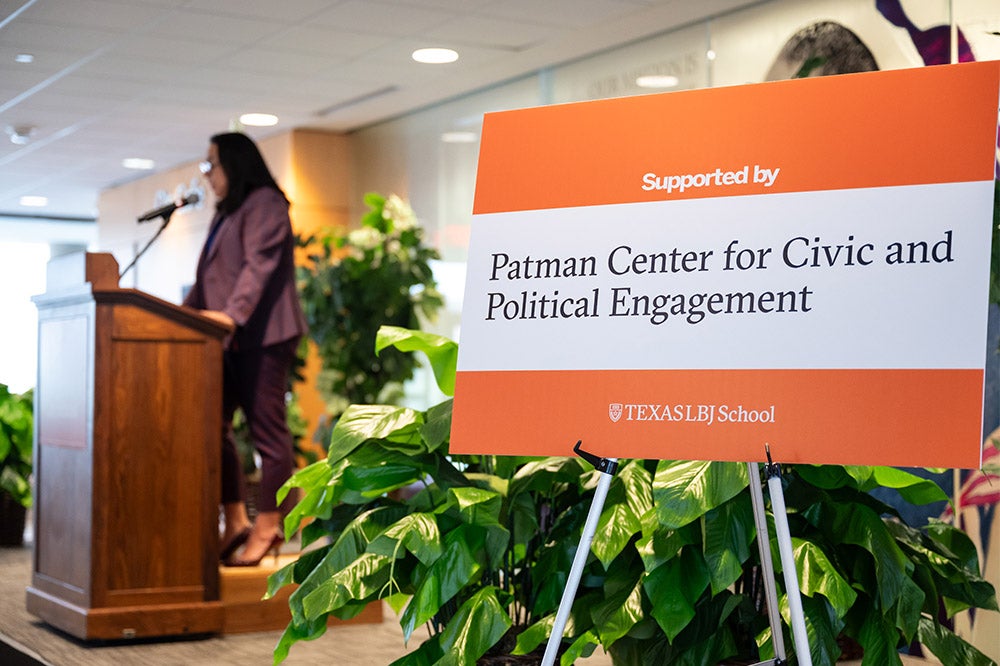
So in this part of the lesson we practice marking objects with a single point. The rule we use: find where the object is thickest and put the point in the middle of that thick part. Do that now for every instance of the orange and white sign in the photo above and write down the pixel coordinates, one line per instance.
(692, 275)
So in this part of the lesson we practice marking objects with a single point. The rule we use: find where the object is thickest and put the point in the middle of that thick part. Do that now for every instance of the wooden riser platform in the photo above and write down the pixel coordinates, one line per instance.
(241, 590)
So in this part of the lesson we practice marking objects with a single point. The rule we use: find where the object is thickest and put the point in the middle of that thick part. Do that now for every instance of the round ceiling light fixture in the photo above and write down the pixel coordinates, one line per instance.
(138, 163)
(459, 137)
(20, 134)
(259, 119)
(656, 81)
(435, 56)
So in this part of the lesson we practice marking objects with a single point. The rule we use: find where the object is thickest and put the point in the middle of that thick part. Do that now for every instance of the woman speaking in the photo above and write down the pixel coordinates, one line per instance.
(246, 279)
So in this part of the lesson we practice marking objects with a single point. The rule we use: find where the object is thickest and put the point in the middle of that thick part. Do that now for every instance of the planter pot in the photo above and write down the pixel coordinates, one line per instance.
(12, 518)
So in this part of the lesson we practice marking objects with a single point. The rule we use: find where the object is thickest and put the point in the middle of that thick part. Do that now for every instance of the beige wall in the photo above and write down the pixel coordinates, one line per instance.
(313, 167)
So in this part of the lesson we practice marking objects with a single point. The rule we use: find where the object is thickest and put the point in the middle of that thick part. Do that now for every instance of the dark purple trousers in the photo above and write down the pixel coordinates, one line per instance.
(256, 380)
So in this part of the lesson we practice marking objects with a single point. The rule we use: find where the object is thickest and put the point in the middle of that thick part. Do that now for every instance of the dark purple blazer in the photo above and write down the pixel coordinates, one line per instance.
(249, 273)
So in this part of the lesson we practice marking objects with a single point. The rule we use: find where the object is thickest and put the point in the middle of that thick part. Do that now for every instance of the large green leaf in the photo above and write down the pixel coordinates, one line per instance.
(581, 648)
(674, 587)
(550, 574)
(628, 499)
(541, 475)
(907, 609)
(618, 613)
(830, 476)
(950, 540)
(298, 570)
(638, 483)
(444, 473)
(948, 647)
(440, 351)
(823, 626)
(481, 508)
(477, 626)
(417, 533)
(477, 506)
(662, 545)
(708, 639)
(360, 423)
(857, 524)
(348, 548)
(363, 579)
(436, 431)
(817, 575)
(729, 533)
(878, 638)
(376, 481)
(443, 579)
(685, 490)
(306, 631)
(913, 488)
(535, 635)
(523, 517)
(319, 497)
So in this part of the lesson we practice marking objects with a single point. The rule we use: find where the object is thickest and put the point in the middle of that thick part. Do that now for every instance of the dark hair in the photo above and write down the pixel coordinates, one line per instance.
(244, 167)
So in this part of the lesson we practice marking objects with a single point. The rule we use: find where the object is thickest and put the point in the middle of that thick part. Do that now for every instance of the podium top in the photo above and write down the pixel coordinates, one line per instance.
(100, 269)
(86, 276)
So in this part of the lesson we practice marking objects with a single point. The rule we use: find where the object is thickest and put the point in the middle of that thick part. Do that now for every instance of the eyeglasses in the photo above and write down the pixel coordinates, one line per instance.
(206, 167)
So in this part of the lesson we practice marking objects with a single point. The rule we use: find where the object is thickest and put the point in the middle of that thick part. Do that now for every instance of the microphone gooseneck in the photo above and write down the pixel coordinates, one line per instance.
(168, 209)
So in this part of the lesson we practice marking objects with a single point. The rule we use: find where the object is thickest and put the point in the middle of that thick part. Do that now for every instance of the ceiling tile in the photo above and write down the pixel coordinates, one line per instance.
(383, 18)
(112, 77)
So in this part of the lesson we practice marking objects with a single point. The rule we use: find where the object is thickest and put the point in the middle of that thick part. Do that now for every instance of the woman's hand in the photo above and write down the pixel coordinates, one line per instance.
(221, 317)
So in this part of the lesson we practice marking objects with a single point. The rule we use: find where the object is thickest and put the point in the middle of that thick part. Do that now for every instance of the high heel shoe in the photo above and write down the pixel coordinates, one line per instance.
(230, 546)
(273, 547)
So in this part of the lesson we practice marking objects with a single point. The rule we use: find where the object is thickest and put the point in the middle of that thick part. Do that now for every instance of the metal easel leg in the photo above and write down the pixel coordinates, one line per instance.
(784, 536)
(767, 567)
(607, 467)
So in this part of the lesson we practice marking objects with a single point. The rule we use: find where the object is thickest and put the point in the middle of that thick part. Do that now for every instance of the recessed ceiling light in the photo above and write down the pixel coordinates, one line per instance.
(138, 163)
(24, 58)
(259, 119)
(459, 137)
(34, 201)
(710, 54)
(435, 56)
(20, 134)
(656, 81)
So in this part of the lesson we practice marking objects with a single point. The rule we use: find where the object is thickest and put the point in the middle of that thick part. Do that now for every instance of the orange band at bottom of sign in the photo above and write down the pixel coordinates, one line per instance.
(853, 417)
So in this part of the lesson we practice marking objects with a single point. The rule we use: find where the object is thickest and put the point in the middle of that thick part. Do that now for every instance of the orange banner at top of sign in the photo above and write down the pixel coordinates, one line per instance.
(789, 136)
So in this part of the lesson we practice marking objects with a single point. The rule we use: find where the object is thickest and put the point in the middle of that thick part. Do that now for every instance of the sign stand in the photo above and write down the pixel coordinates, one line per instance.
(608, 467)
(773, 473)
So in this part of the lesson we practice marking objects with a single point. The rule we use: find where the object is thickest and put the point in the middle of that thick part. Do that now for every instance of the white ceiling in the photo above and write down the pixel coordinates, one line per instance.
(113, 79)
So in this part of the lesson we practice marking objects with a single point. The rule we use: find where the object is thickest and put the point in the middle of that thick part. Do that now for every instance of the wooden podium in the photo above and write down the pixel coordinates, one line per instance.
(128, 416)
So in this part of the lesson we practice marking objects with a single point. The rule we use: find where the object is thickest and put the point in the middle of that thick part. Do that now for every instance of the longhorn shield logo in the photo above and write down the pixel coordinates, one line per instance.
(615, 411)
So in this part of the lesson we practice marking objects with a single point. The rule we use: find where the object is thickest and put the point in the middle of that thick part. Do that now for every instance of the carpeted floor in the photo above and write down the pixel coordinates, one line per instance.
(27, 641)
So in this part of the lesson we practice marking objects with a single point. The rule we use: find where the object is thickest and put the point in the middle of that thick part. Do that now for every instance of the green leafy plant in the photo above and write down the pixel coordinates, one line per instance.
(16, 431)
(479, 548)
(355, 281)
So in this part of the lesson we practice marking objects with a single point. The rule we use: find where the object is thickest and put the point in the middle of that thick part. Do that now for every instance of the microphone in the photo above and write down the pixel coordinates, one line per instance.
(166, 211)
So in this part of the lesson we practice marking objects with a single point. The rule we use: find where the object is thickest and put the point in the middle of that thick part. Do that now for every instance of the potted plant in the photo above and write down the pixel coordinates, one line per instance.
(16, 419)
(478, 548)
(354, 281)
